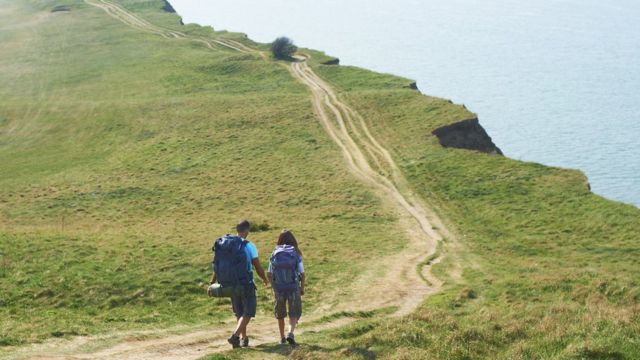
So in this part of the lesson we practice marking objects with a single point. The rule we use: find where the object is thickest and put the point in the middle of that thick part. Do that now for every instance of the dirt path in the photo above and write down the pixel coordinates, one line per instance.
(404, 285)
(135, 346)
(119, 13)
(372, 163)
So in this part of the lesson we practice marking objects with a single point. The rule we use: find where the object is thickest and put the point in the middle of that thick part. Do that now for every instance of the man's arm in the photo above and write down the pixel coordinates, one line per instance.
(259, 270)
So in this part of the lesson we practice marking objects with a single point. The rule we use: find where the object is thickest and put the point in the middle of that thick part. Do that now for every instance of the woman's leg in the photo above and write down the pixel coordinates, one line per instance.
(295, 310)
(280, 311)
(292, 324)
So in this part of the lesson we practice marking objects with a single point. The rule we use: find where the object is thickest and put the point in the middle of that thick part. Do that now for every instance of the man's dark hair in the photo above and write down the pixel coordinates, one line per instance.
(243, 226)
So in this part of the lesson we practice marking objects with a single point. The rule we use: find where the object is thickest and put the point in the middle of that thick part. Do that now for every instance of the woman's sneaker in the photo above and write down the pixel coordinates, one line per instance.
(291, 339)
(245, 342)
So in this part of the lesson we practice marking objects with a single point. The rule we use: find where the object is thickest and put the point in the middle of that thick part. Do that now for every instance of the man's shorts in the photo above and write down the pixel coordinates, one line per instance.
(288, 299)
(245, 306)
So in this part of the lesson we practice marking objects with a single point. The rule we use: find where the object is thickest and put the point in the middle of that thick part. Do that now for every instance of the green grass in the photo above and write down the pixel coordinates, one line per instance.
(551, 270)
(124, 154)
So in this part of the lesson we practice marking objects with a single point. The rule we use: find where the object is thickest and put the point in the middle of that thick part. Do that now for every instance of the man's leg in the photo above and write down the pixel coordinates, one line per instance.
(244, 331)
(241, 327)
(249, 304)
(238, 310)
(281, 327)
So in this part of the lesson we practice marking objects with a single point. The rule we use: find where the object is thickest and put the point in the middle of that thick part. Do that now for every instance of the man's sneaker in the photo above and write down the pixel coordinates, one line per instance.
(234, 340)
(245, 342)
(283, 341)
(291, 339)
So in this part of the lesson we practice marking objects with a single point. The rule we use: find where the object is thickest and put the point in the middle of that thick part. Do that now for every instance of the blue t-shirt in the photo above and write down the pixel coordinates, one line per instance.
(252, 253)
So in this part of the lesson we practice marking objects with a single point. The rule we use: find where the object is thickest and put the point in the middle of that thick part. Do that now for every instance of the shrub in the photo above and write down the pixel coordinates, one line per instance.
(257, 227)
(283, 48)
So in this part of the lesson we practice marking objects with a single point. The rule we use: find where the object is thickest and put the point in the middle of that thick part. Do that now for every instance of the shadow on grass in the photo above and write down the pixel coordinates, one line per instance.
(595, 354)
(359, 353)
(300, 351)
(285, 349)
(60, 8)
(288, 59)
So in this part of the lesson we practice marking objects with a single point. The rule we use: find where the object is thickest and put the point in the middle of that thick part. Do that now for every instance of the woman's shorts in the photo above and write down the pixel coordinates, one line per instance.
(288, 300)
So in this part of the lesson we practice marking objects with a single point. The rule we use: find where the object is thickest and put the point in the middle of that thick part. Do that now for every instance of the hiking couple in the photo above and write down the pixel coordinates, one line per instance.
(234, 257)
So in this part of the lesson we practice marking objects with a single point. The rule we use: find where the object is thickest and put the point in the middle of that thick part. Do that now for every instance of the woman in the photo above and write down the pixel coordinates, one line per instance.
(286, 274)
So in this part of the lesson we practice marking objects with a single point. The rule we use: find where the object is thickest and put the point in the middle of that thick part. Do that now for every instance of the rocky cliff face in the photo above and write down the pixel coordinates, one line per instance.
(334, 61)
(466, 134)
(167, 7)
(412, 86)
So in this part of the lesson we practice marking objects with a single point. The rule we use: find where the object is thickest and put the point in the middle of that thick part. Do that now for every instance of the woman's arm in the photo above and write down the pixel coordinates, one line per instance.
(301, 273)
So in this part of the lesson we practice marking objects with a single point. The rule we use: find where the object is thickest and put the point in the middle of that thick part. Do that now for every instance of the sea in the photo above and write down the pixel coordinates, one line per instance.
(553, 81)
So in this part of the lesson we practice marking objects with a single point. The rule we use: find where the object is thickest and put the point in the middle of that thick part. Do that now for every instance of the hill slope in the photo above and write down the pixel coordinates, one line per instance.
(127, 165)
(126, 149)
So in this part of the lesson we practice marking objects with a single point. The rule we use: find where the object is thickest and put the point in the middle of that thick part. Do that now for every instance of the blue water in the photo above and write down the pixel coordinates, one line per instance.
(553, 81)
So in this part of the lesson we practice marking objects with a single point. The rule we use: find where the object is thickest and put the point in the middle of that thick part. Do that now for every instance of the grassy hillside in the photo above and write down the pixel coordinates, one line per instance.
(124, 154)
(551, 270)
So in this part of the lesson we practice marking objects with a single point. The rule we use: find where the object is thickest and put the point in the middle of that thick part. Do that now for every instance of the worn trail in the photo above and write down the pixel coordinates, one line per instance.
(404, 286)
(119, 13)
(373, 164)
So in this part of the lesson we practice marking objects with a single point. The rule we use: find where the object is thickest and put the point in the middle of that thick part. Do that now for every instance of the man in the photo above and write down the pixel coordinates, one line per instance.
(244, 306)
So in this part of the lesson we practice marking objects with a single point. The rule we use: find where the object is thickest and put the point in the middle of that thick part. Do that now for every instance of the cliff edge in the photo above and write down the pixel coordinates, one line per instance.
(466, 134)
